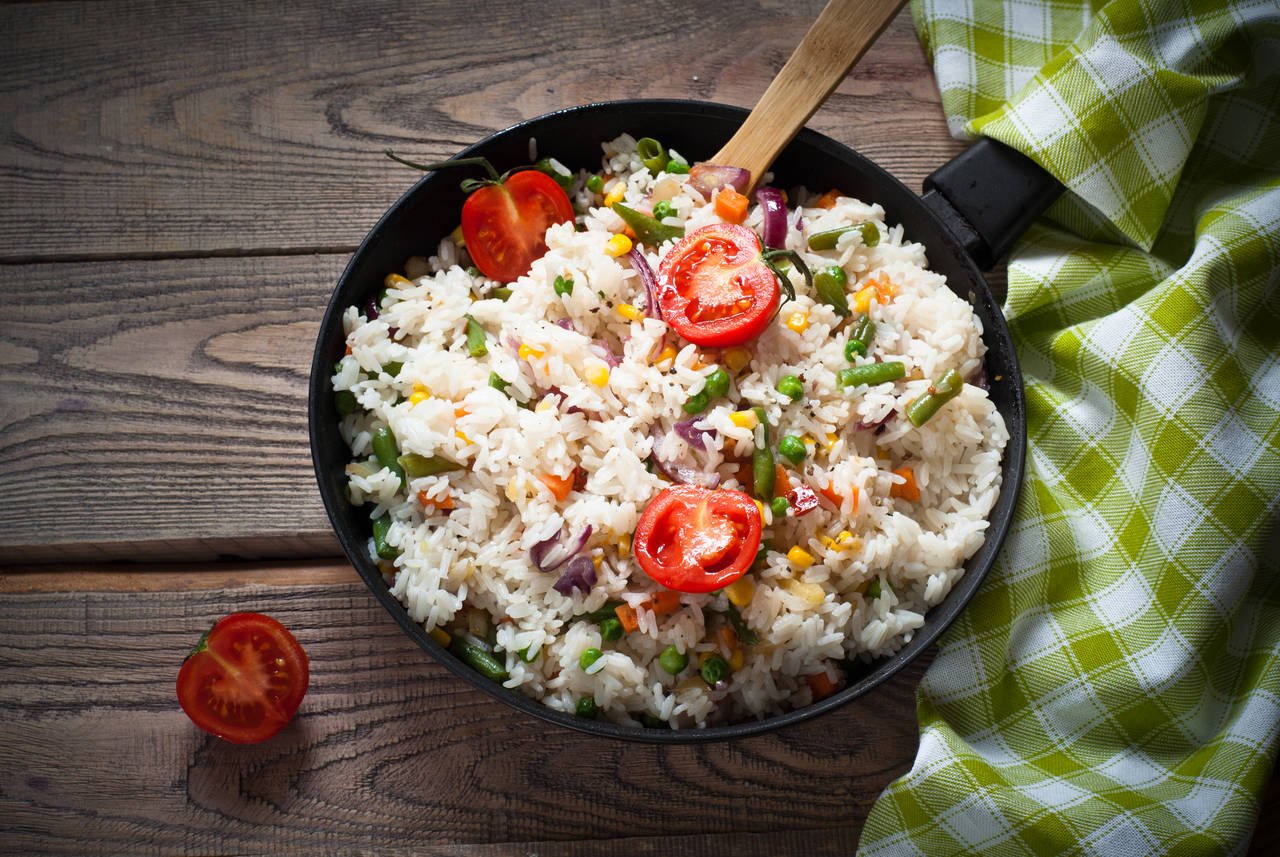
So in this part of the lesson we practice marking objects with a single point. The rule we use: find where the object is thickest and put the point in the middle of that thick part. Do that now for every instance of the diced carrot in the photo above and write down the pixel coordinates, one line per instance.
(729, 637)
(443, 503)
(828, 199)
(627, 616)
(459, 413)
(837, 499)
(820, 685)
(348, 349)
(664, 603)
(731, 205)
(781, 479)
(560, 485)
(908, 490)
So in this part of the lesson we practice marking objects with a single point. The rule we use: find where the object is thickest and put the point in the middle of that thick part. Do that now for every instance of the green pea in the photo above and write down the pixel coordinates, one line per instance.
(595, 183)
(870, 234)
(677, 167)
(663, 209)
(586, 707)
(345, 402)
(610, 629)
(790, 386)
(871, 373)
(873, 589)
(563, 286)
(697, 403)
(714, 669)
(830, 283)
(792, 449)
(717, 384)
(672, 660)
(589, 657)
(779, 506)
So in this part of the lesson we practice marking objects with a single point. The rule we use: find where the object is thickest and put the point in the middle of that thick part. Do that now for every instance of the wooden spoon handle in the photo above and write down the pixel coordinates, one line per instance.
(841, 35)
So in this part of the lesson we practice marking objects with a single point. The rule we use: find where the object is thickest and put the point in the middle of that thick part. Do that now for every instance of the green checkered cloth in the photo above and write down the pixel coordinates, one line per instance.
(1114, 688)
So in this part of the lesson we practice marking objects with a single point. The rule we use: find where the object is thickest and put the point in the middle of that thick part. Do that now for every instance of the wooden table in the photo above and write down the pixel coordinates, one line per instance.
(182, 184)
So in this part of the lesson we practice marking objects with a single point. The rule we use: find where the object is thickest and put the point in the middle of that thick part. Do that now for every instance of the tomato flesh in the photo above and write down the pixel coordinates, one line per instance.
(245, 679)
(693, 539)
(505, 225)
(715, 289)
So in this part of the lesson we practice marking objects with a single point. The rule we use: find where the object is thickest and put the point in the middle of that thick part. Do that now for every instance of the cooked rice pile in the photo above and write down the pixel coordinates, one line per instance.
(864, 576)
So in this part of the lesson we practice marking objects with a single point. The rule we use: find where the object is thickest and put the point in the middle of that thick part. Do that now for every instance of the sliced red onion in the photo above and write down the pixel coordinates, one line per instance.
(566, 323)
(602, 350)
(695, 437)
(581, 574)
(549, 554)
(775, 217)
(641, 264)
(371, 308)
(678, 471)
(709, 178)
(877, 426)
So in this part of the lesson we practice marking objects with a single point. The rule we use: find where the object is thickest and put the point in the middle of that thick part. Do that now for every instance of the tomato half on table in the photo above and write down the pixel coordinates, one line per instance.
(505, 223)
(245, 679)
(715, 288)
(694, 539)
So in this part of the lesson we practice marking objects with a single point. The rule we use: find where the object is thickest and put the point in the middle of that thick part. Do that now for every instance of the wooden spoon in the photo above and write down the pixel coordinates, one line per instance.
(838, 39)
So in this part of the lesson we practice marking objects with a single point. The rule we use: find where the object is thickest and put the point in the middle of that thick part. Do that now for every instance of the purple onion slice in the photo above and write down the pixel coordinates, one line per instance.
(549, 554)
(775, 217)
(709, 178)
(641, 264)
(581, 574)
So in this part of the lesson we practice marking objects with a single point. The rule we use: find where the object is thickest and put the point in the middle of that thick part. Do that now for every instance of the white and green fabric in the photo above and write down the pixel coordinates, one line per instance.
(1114, 687)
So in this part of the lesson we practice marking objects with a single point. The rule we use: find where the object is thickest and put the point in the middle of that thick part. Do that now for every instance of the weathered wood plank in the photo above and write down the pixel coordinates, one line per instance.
(159, 411)
(233, 127)
(390, 752)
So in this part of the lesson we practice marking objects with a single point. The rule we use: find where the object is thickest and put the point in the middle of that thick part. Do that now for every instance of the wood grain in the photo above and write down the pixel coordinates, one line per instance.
(129, 131)
(389, 753)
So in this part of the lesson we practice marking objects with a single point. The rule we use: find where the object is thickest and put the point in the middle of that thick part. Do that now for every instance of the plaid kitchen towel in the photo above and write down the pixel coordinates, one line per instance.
(1114, 688)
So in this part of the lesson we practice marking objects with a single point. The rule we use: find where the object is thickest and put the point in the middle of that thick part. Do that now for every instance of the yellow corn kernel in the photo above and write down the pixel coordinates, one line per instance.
(456, 236)
(463, 437)
(828, 543)
(441, 636)
(736, 660)
(831, 441)
(798, 321)
(617, 191)
(631, 312)
(760, 506)
(799, 557)
(844, 537)
(736, 359)
(618, 245)
(395, 280)
(598, 375)
(624, 546)
(530, 352)
(744, 419)
(741, 591)
(668, 352)
(810, 593)
(862, 300)
(419, 394)
(597, 560)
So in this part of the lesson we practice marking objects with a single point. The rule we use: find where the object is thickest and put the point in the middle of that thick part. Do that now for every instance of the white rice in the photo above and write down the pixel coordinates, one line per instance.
(468, 570)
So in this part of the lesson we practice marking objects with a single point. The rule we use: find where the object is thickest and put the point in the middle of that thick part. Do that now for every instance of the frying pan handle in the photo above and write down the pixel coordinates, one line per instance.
(988, 195)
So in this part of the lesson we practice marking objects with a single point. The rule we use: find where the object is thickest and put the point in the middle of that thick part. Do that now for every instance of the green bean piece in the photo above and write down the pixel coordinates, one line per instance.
(345, 402)
(586, 707)
(610, 629)
(830, 284)
(648, 230)
(393, 368)
(677, 168)
(792, 448)
(763, 472)
(717, 384)
(526, 654)
(497, 382)
(870, 234)
(472, 270)
(714, 669)
(386, 450)
(416, 466)
(563, 285)
(651, 721)
(860, 336)
(870, 373)
(595, 183)
(589, 656)
(502, 293)
(779, 506)
(478, 659)
(663, 210)
(476, 346)
(873, 589)
(697, 403)
(599, 615)
(827, 240)
(651, 153)
(672, 660)
(941, 391)
(565, 180)
(380, 546)
(739, 625)
(790, 386)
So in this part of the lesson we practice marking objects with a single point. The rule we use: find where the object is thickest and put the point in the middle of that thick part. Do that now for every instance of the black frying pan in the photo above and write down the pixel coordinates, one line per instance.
(975, 207)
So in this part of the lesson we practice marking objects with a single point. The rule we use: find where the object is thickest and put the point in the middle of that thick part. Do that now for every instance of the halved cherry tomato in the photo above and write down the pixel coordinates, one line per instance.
(245, 679)
(505, 224)
(715, 289)
(694, 539)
